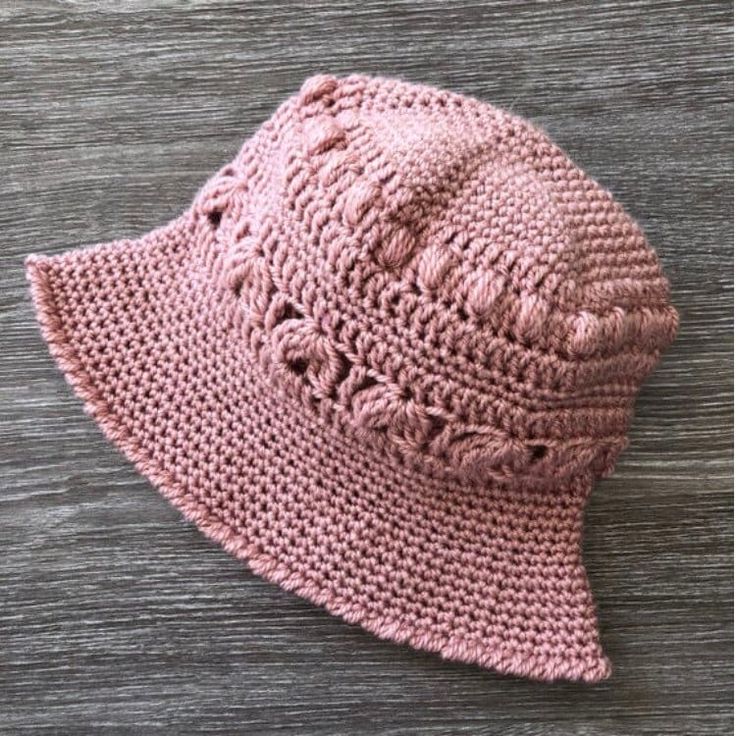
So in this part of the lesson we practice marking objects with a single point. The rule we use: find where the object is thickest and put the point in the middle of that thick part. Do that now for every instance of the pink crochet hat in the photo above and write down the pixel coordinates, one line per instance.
(382, 359)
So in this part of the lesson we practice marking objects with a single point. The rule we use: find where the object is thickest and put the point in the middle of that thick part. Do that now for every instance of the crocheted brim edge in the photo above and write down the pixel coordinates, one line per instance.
(270, 568)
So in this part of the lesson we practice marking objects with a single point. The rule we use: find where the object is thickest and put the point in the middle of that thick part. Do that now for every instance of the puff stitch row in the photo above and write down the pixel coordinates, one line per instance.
(399, 243)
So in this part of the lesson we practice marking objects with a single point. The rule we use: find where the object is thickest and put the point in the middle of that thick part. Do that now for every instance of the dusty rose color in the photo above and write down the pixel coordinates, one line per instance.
(382, 358)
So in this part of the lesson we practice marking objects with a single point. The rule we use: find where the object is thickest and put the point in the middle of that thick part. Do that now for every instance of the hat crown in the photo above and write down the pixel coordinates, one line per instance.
(436, 274)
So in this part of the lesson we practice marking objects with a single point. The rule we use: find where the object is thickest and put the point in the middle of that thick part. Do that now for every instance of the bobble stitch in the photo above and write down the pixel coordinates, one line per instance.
(322, 133)
(584, 335)
(483, 293)
(360, 198)
(615, 327)
(434, 264)
(317, 87)
(532, 319)
(396, 249)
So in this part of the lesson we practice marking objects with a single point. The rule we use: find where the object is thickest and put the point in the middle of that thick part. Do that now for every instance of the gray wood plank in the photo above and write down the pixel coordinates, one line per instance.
(117, 617)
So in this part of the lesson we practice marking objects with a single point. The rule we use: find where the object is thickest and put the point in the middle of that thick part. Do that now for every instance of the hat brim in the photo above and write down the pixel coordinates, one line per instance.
(491, 576)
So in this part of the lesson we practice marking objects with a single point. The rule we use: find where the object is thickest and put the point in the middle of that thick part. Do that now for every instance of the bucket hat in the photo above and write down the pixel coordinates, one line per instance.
(382, 359)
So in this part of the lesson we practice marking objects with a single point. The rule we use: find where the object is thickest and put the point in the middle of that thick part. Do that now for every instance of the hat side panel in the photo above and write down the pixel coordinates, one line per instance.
(413, 274)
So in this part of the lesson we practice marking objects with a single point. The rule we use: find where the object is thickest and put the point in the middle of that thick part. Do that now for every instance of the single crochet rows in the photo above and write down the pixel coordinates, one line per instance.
(382, 358)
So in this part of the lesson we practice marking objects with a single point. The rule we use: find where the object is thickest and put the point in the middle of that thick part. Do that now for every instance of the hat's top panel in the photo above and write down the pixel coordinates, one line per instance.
(439, 273)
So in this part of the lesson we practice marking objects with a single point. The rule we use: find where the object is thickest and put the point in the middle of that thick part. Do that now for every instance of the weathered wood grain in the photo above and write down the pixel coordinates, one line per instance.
(115, 616)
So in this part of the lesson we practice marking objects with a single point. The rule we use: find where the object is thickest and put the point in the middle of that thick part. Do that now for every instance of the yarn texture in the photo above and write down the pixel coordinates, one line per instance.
(382, 358)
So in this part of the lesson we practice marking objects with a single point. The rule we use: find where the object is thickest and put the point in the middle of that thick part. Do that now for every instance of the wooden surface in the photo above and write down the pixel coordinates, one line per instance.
(116, 616)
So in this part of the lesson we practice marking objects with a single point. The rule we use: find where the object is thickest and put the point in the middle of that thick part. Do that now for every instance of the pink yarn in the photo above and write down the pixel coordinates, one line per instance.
(382, 358)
